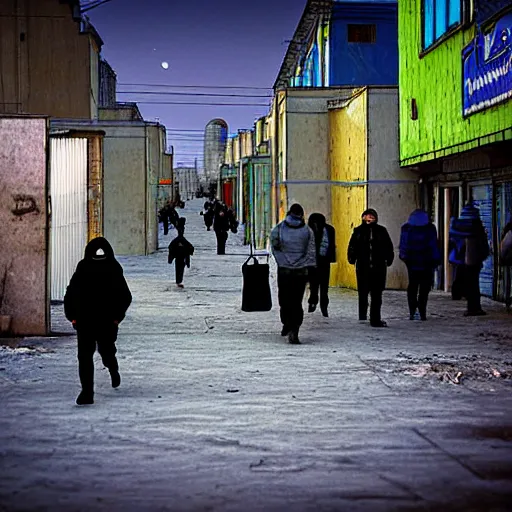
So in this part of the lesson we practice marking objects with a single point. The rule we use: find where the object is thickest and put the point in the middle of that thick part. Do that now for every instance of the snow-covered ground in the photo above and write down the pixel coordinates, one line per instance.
(217, 412)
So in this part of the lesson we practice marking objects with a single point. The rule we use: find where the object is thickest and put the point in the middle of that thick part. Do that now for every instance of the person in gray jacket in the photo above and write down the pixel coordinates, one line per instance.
(293, 246)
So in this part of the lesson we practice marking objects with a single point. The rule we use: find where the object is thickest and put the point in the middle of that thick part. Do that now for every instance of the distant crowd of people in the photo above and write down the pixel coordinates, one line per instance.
(98, 296)
(218, 215)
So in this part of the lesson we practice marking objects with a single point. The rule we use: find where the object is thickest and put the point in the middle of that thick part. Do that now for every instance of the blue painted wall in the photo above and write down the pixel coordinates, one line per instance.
(364, 63)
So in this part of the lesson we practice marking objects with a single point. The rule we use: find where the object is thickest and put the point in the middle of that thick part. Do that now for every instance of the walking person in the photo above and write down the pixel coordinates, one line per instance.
(470, 249)
(180, 250)
(325, 243)
(293, 246)
(96, 302)
(420, 252)
(371, 250)
(208, 213)
(173, 215)
(163, 216)
(221, 226)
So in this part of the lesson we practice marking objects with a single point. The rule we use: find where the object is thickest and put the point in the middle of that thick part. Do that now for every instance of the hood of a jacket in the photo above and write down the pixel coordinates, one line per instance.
(316, 221)
(98, 249)
(371, 211)
(418, 218)
(294, 221)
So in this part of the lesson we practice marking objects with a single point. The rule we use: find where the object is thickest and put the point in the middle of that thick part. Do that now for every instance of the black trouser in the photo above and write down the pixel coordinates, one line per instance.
(179, 266)
(472, 287)
(105, 337)
(458, 285)
(370, 281)
(291, 285)
(420, 283)
(222, 236)
(319, 279)
(166, 226)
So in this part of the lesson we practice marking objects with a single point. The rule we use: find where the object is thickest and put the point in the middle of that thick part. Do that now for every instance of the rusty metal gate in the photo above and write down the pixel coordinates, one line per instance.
(68, 196)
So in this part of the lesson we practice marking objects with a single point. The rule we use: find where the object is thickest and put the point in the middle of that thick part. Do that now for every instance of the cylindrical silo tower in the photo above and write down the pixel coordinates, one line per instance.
(215, 137)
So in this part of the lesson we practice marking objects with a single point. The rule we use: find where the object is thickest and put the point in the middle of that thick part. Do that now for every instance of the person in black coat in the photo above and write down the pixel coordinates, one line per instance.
(208, 213)
(371, 250)
(221, 226)
(325, 243)
(420, 252)
(96, 302)
(180, 250)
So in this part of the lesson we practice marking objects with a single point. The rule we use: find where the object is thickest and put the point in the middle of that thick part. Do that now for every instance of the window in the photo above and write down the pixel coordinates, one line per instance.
(362, 33)
(439, 17)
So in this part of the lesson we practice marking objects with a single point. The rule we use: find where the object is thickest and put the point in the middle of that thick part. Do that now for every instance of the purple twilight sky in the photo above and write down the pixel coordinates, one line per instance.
(206, 43)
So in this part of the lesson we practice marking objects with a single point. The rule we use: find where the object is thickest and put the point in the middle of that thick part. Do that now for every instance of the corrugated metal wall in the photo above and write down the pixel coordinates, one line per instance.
(68, 192)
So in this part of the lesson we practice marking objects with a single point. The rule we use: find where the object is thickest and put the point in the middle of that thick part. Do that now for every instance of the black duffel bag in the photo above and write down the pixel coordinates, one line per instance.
(256, 294)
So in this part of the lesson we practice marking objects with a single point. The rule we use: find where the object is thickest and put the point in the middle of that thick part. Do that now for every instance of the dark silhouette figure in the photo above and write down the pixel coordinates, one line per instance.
(325, 243)
(180, 250)
(469, 249)
(209, 213)
(420, 253)
(221, 226)
(96, 301)
(168, 215)
(371, 250)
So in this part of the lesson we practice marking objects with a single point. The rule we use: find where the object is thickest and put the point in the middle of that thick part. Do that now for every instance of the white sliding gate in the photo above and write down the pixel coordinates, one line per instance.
(68, 192)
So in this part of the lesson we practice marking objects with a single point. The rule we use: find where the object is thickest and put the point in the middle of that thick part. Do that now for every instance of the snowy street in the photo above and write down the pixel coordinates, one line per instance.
(217, 412)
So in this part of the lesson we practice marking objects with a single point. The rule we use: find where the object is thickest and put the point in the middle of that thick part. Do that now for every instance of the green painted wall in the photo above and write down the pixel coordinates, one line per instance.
(435, 81)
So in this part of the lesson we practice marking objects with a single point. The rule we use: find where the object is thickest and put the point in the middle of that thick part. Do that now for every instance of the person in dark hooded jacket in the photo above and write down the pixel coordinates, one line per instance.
(420, 252)
(180, 250)
(325, 243)
(221, 226)
(96, 302)
(470, 248)
(371, 250)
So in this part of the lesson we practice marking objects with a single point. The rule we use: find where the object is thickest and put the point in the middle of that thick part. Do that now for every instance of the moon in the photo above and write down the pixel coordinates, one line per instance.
(165, 65)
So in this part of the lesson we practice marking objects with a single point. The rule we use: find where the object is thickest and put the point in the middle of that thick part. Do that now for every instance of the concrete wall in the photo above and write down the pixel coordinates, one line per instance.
(156, 142)
(307, 169)
(121, 112)
(49, 71)
(124, 157)
(393, 192)
(24, 224)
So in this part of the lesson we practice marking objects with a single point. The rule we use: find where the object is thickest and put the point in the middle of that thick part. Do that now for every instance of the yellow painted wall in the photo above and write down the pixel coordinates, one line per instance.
(348, 163)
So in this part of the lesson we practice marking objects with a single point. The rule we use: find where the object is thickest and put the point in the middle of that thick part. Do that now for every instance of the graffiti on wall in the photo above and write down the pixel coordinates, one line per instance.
(24, 204)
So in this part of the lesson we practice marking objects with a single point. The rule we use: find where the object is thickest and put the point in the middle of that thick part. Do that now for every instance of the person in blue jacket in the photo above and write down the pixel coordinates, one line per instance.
(469, 249)
(419, 251)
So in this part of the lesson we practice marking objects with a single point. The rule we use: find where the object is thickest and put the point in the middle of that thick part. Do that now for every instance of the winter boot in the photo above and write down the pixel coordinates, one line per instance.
(85, 398)
(115, 378)
(293, 338)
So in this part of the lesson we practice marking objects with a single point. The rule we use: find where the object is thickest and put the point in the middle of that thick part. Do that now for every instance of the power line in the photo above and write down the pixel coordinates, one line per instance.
(203, 104)
(167, 93)
(93, 5)
(188, 86)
